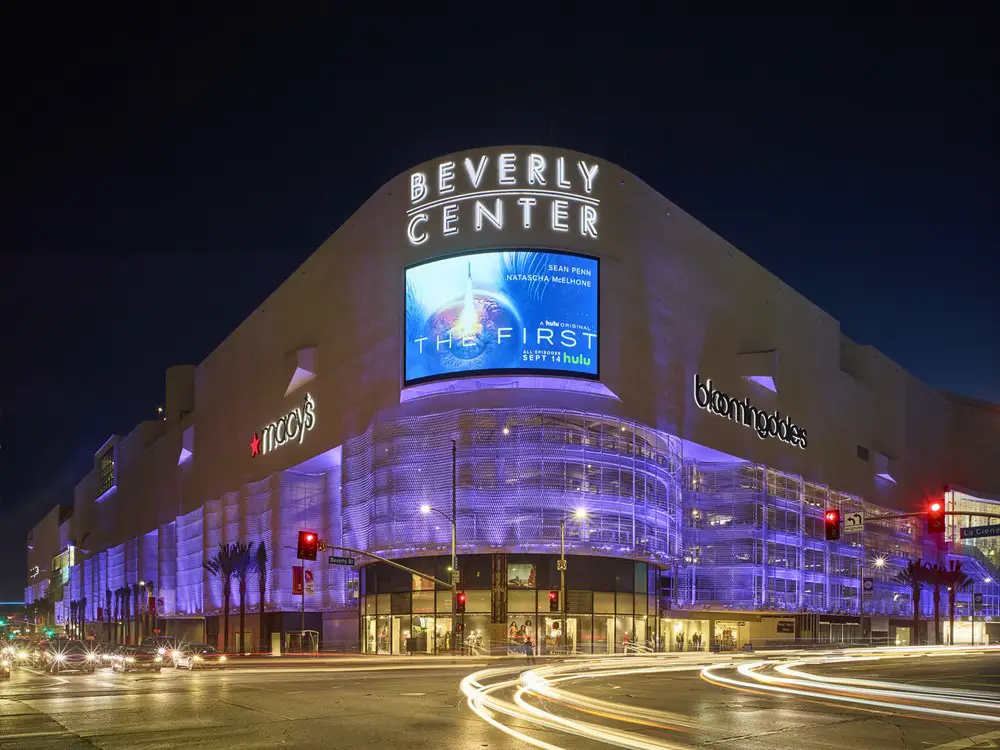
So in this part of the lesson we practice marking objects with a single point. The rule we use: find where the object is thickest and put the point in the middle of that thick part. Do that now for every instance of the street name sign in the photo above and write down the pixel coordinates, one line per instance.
(976, 532)
(335, 560)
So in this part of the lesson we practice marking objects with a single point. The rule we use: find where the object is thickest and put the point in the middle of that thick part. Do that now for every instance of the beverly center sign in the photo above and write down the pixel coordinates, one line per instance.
(483, 193)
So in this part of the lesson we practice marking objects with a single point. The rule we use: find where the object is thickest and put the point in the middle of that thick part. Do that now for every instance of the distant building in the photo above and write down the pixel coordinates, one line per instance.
(585, 345)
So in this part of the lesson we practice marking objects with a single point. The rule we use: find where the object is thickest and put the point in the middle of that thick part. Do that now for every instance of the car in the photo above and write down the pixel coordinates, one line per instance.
(69, 656)
(200, 656)
(137, 658)
(5, 665)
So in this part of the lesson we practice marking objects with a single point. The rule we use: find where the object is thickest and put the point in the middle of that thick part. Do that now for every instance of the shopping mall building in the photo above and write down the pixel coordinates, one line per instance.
(540, 333)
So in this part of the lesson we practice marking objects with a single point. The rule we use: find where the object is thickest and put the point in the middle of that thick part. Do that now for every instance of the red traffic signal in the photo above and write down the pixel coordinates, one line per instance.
(553, 601)
(935, 516)
(832, 522)
(460, 603)
(308, 545)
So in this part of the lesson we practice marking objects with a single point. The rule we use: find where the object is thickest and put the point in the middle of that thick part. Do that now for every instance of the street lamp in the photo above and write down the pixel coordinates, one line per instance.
(425, 509)
(580, 514)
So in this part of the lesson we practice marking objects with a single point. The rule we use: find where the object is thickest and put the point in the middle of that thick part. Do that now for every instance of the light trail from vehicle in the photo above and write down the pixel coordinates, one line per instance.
(868, 694)
(517, 700)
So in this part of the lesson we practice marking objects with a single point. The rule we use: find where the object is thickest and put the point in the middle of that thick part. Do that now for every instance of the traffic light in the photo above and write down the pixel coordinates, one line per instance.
(460, 603)
(308, 545)
(935, 516)
(832, 521)
(553, 601)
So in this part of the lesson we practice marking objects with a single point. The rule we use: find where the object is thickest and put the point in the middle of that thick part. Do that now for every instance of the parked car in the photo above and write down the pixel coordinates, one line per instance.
(69, 656)
(200, 656)
(136, 658)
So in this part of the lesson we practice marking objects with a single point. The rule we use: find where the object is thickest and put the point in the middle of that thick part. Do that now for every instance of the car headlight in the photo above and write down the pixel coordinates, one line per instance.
(130, 659)
(59, 657)
(197, 658)
(6, 664)
(175, 654)
(161, 651)
(158, 658)
(222, 658)
(91, 657)
(21, 654)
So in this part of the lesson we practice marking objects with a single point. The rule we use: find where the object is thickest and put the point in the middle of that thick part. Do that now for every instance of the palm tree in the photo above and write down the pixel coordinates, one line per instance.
(222, 564)
(936, 575)
(243, 566)
(137, 614)
(956, 580)
(914, 575)
(260, 566)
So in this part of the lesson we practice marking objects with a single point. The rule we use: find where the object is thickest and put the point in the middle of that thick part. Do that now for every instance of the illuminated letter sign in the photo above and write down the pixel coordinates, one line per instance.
(765, 425)
(291, 427)
(479, 195)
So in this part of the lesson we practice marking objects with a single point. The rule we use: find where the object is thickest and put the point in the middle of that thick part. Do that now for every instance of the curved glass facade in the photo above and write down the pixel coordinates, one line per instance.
(518, 473)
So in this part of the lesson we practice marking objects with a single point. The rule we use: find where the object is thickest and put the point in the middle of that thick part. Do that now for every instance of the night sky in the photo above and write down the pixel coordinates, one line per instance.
(164, 174)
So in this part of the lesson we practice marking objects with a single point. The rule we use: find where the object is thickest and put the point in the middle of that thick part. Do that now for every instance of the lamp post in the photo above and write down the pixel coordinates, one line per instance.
(425, 509)
(985, 581)
(579, 514)
(879, 563)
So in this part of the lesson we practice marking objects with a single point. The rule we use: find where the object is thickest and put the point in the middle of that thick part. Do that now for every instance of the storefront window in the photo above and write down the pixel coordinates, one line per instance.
(442, 634)
(419, 643)
(624, 633)
(423, 601)
(383, 634)
(585, 642)
(604, 603)
(477, 635)
(604, 630)
(522, 601)
(477, 601)
(521, 629)
(625, 602)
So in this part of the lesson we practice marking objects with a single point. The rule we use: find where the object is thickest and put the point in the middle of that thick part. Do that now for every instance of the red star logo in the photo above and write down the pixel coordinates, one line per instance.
(254, 445)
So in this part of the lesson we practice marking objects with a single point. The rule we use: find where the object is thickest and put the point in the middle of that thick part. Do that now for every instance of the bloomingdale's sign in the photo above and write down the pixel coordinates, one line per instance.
(483, 193)
(766, 425)
(292, 426)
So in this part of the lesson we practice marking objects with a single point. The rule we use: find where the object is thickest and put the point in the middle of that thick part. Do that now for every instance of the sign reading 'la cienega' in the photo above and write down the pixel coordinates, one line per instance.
(506, 190)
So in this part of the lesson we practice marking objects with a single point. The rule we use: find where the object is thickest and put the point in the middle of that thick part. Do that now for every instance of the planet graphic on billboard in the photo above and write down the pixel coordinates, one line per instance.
(470, 323)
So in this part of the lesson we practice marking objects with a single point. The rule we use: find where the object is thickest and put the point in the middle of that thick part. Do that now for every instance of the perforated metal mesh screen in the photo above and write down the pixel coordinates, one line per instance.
(755, 539)
(519, 472)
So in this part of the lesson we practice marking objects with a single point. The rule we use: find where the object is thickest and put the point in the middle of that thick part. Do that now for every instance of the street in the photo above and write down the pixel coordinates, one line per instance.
(778, 700)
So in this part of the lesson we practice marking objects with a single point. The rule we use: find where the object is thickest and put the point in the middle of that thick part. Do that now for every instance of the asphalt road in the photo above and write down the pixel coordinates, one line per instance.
(357, 703)
(300, 707)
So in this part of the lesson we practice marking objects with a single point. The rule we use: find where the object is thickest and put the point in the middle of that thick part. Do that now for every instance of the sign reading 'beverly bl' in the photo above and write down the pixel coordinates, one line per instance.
(764, 424)
(507, 190)
(292, 426)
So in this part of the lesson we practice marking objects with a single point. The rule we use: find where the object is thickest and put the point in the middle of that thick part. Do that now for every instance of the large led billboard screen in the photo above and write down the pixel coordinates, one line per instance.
(501, 311)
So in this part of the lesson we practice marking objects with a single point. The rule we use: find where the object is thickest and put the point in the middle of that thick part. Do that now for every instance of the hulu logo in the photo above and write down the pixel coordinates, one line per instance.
(576, 359)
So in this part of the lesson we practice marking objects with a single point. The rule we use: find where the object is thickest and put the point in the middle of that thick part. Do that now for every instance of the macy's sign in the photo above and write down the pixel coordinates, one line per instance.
(292, 426)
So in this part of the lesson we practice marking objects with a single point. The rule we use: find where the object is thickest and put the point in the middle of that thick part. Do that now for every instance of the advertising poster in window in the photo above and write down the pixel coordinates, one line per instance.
(499, 312)
(521, 576)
